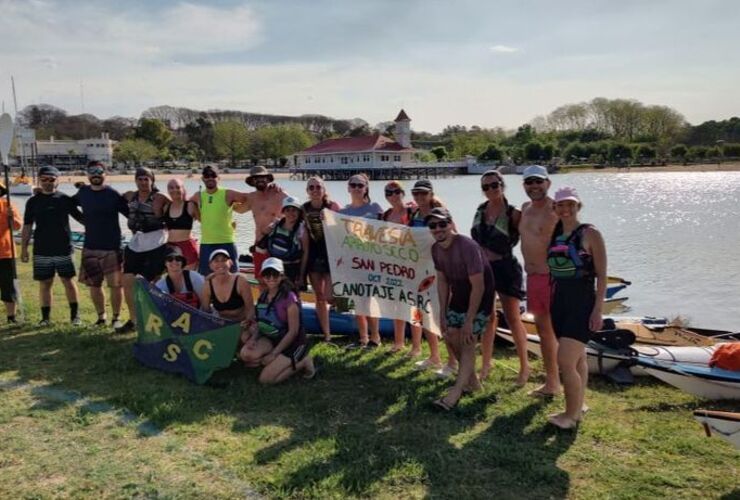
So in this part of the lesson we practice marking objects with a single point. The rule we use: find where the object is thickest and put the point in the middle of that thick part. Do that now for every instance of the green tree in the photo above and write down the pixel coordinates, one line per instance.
(135, 151)
(200, 132)
(154, 131)
(698, 152)
(231, 140)
(731, 150)
(574, 152)
(645, 152)
(492, 153)
(425, 156)
(440, 152)
(524, 134)
(679, 151)
(619, 152)
(533, 151)
(465, 144)
(278, 141)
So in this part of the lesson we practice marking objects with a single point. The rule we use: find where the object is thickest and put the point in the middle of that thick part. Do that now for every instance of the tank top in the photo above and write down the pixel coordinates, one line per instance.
(566, 257)
(313, 220)
(405, 218)
(501, 236)
(189, 296)
(183, 221)
(417, 219)
(141, 217)
(234, 301)
(215, 218)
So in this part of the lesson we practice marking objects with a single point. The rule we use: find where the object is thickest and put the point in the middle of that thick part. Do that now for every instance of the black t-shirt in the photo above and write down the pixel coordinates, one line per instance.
(101, 209)
(50, 213)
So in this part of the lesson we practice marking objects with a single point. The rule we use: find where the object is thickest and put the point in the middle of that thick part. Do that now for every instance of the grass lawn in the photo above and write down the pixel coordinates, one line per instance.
(81, 418)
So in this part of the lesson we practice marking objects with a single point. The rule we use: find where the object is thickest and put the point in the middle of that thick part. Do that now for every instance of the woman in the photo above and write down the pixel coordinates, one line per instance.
(361, 206)
(423, 193)
(318, 258)
(577, 261)
(495, 229)
(277, 340)
(401, 213)
(228, 294)
(183, 284)
(178, 218)
(288, 241)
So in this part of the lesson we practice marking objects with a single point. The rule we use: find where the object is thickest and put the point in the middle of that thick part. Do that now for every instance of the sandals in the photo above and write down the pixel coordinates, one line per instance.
(541, 393)
(560, 421)
(442, 405)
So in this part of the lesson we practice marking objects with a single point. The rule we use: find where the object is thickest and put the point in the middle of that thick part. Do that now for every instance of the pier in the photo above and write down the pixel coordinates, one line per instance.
(379, 174)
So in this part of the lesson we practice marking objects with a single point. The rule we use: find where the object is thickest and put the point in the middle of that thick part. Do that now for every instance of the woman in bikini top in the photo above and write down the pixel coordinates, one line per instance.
(238, 304)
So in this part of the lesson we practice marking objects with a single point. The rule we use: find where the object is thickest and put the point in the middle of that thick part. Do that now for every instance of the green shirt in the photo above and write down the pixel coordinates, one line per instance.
(215, 218)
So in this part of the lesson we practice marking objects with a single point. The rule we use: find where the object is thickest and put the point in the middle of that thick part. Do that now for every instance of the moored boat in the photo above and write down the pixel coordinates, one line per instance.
(21, 185)
(721, 423)
(701, 381)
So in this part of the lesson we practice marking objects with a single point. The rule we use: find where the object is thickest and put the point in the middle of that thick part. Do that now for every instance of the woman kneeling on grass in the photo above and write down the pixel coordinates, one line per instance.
(237, 304)
(577, 261)
(277, 341)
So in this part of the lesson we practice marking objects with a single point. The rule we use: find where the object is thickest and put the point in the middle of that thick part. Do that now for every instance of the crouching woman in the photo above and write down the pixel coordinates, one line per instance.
(277, 341)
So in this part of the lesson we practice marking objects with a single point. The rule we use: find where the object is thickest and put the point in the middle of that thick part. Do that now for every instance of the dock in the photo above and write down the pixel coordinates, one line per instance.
(378, 174)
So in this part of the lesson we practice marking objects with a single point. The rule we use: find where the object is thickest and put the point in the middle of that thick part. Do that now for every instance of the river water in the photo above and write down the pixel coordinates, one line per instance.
(674, 235)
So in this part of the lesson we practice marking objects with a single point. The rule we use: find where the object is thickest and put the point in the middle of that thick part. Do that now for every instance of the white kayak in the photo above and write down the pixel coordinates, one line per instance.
(702, 381)
(720, 423)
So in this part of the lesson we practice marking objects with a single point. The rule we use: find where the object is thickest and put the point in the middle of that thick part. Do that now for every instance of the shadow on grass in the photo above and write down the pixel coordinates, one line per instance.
(364, 427)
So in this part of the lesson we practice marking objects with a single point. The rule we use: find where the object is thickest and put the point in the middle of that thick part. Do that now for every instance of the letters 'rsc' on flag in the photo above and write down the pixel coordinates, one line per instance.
(385, 268)
(176, 338)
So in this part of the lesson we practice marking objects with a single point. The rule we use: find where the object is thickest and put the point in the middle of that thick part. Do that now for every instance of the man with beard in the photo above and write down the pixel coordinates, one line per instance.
(101, 252)
(49, 210)
(466, 290)
(536, 227)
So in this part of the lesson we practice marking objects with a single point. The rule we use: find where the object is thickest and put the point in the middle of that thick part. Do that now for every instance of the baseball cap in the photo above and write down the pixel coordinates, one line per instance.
(273, 263)
(567, 193)
(210, 170)
(217, 252)
(535, 171)
(291, 202)
(177, 253)
(49, 170)
(422, 185)
(438, 213)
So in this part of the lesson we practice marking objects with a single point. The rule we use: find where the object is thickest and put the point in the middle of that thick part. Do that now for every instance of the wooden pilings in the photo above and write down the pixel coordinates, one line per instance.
(390, 173)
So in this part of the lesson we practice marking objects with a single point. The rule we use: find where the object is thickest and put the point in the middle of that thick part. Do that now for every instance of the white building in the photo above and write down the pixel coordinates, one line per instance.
(65, 153)
(372, 151)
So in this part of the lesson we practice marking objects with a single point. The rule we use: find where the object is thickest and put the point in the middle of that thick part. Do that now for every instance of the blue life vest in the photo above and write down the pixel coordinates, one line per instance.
(284, 244)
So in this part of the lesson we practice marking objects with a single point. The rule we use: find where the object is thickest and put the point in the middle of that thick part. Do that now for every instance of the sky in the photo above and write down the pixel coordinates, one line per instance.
(487, 63)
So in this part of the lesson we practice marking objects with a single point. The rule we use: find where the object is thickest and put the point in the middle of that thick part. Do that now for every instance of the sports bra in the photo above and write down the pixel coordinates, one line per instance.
(234, 301)
(183, 221)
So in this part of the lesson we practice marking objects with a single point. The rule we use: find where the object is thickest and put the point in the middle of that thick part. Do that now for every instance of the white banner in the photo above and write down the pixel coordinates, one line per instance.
(385, 268)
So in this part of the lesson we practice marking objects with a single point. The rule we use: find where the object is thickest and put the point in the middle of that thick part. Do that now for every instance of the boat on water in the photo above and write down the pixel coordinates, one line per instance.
(21, 185)
(724, 424)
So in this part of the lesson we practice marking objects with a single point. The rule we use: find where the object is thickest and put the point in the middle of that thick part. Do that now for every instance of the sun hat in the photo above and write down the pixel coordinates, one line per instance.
(49, 170)
(258, 171)
(217, 252)
(493, 172)
(438, 213)
(273, 263)
(567, 194)
(424, 185)
(291, 202)
(176, 252)
(535, 171)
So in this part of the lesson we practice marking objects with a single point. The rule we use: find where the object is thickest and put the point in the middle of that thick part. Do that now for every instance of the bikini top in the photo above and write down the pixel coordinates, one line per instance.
(234, 301)
(183, 221)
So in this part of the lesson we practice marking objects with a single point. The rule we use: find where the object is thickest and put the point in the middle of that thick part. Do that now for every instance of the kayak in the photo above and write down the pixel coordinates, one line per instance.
(701, 381)
(722, 423)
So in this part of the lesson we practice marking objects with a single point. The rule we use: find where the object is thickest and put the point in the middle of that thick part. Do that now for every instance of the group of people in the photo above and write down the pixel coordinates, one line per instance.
(564, 260)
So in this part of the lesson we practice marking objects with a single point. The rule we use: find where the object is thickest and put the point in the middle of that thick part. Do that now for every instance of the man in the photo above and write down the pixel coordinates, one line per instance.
(465, 285)
(182, 284)
(49, 210)
(8, 213)
(536, 228)
(101, 253)
(144, 254)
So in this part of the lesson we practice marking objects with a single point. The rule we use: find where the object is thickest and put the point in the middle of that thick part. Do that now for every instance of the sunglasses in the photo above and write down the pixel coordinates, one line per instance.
(533, 180)
(490, 185)
(270, 274)
(356, 185)
(47, 179)
(314, 187)
(434, 225)
(209, 176)
(171, 258)
(96, 171)
(419, 193)
(391, 192)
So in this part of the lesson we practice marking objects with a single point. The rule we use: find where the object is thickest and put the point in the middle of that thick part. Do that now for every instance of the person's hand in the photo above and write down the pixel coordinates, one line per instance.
(596, 320)
(79, 184)
(272, 187)
(466, 333)
(24, 255)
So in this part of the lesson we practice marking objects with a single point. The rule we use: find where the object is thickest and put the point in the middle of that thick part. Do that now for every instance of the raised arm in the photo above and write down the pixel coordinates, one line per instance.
(240, 202)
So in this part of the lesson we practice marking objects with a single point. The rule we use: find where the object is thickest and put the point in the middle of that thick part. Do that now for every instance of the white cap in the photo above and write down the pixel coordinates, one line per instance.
(535, 171)
(291, 202)
(217, 252)
(273, 263)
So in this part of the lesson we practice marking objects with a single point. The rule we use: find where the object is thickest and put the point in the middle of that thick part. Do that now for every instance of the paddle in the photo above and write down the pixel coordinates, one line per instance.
(6, 139)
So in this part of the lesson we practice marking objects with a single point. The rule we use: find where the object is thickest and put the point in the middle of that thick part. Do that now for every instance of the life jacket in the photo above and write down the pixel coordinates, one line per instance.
(141, 218)
(189, 296)
(566, 257)
(405, 220)
(268, 323)
(501, 237)
(284, 244)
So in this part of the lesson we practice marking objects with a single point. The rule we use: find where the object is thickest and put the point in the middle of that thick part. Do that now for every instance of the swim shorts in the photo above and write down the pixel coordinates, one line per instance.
(538, 293)
(95, 264)
(457, 319)
(508, 277)
(149, 264)
(45, 266)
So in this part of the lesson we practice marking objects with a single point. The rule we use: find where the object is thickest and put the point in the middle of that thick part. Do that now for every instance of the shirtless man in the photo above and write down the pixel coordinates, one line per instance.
(536, 228)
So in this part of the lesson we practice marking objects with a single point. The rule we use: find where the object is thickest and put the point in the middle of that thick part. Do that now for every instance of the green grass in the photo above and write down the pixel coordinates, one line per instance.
(81, 418)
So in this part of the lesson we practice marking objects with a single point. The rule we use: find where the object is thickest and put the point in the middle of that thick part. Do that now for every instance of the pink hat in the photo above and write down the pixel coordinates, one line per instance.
(567, 193)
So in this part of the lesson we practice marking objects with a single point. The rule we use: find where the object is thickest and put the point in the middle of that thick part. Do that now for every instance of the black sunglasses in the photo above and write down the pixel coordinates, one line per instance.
(170, 258)
(391, 192)
(356, 185)
(270, 273)
(441, 224)
(314, 187)
(490, 185)
(533, 180)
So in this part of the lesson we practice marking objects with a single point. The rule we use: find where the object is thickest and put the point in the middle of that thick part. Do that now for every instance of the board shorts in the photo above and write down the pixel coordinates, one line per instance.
(96, 264)
(206, 249)
(46, 266)
(538, 293)
(572, 305)
(508, 277)
(457, 319)
(149, 264)
(7, 290)
(189, 249)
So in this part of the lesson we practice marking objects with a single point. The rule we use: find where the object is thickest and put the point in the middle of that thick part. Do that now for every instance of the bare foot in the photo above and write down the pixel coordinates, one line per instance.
(522, 378)
(543, 392)
(562, 421)
(413, 354)
(584, 409)
(484, 372)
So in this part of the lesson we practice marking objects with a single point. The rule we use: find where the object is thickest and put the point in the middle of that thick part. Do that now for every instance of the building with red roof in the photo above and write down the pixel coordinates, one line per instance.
(371, 151)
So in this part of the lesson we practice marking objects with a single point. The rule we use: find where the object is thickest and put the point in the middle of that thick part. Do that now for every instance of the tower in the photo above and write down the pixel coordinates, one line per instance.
(403, 129)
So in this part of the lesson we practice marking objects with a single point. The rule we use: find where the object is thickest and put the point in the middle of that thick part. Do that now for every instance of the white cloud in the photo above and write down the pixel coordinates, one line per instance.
(504, 49)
